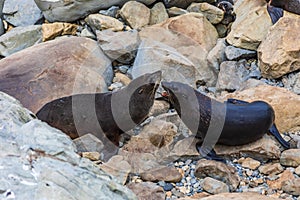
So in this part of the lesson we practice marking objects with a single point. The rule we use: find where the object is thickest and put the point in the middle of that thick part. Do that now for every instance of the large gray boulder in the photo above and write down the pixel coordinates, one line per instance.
(40, 162)
(59, 10)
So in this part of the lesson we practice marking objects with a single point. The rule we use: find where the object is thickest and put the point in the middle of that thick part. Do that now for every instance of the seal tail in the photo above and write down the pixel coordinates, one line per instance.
(275, 13)
(274, 131)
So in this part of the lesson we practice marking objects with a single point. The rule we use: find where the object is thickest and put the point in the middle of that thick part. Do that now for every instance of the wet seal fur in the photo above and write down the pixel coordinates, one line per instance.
(243, 122)
(103, 114)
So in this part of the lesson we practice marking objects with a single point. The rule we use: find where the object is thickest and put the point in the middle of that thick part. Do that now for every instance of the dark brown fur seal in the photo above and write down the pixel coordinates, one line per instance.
(276, 7)
(233, 122)
(227, 7)
(292, 6)
(111, 113)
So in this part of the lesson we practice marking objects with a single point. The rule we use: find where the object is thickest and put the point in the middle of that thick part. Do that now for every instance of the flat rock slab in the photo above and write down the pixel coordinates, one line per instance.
(50, 70)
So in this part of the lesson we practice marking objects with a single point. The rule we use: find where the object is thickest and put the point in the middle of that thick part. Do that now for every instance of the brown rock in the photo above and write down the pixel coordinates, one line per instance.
(175, 119)
(205, 34)
(284, 102)
(292, 186)
(250, 163)
(136, 14)
(222, 30)
(271, 168)
(50, 70)
(140, 162)
(174, 11)
(290, 157)
(118, 167)
(219, 171)
(147, 190)
(159, 107)
(212, 13)
(103, 22)
(184, 149)
(192, 36)
(93, 156)
(158, 14)
(140, 145)
(168, 174)
(249, 14)
(297, 171)
(154, 136)
(52, 30)
(153, 56)
(278, 53)
(264, 148)
(239, 196)
(88, 143)
(214, 186)
(277, 184)
(119, 77)
(217, 55)
(166, 129)
(121, 46)
(200, 195)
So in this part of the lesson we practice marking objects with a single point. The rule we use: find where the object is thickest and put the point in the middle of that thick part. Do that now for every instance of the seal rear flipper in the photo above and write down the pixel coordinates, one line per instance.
(274, 131)
(208, 154)
(275, 13)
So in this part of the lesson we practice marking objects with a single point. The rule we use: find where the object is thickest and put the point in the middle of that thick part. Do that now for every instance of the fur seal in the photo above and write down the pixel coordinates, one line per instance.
(103, 112)
(276, 7)
(227, 7)
(243, 122)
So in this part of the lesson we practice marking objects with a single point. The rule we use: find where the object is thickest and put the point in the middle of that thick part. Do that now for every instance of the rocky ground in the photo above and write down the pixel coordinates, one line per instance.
(52, 49)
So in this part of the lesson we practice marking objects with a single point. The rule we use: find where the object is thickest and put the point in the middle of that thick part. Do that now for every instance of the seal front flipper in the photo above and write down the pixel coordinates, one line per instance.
(274, 131)
(275, 13)
(208, 154)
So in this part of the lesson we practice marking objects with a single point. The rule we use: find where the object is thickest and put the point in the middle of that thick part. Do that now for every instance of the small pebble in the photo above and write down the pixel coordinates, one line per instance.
(188, 162)
(168, 187)
(180, 184)
(185, 168)
(196, 185)
(161, 183)
(123, 69)
(193, 181)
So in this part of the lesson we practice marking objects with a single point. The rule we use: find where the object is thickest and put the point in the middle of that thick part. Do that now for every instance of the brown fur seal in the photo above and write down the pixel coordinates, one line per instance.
(275, 8)
(111, 113)
(227, 7)
(233, 122)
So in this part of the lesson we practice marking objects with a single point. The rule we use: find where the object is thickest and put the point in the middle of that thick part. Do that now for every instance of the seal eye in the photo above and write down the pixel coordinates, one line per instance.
(141, 91)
